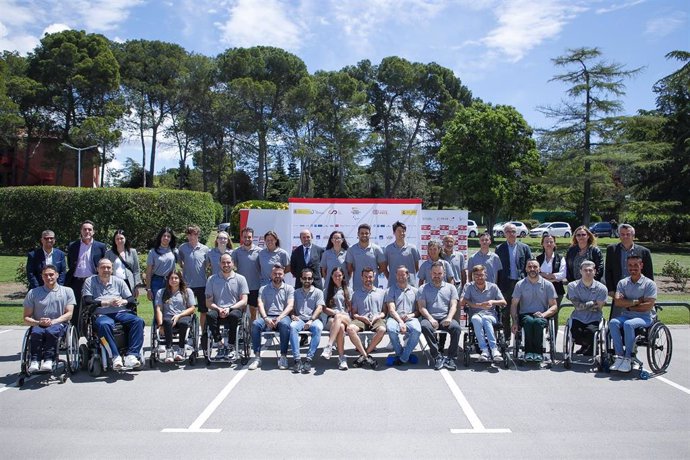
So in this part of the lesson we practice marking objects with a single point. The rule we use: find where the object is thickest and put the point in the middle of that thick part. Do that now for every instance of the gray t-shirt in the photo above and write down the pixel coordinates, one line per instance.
(226, 291)
(367, 303)
(49, 303)
(330, 260)
(267, 259)
(338, 303)
(408, 256)
(115, 288)
(306, 302)
(163, 261)
(194, 261)
(405, 299)
(472, 293)
(175, 304)
(490, 260)
(361, 258)
(437, 299)
(644, 287)
(247, 264)
(579, 293)
(457, 263)
(424, 274)
(213, 259)
(534, 297)
(275, 299)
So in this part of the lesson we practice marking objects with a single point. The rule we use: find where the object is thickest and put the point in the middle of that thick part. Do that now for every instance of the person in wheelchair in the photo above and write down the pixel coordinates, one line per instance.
(48, 310)
(175, 307)
(110, 301)
(536, 299)
(636, 294)
(482, 300)
(588, 297)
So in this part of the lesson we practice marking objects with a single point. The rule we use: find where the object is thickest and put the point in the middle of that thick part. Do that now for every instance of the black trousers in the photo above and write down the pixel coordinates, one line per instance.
(231, 321)
(182, 326)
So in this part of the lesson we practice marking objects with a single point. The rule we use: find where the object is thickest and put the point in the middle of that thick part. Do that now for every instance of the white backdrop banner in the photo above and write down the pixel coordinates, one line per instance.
(436, 224)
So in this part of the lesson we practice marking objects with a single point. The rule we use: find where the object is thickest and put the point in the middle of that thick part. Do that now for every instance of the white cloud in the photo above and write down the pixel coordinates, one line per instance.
(22, 43)
(260, 23)
(16, 13)
(55, 28)
(103, 15)
(664, 26)
(618, 6)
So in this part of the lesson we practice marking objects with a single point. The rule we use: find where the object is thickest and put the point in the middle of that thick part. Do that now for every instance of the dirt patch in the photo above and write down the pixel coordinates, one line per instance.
(12, 292)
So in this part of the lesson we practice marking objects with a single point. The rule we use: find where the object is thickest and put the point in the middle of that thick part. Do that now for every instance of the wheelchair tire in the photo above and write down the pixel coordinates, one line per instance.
(244, 360)
(659, 347)
(152, 362)
(73, 352)
(62, 378)
(84, 356)
(466, 350)
(566, 363)
(192, 359)
(21, 381)
(95, 366)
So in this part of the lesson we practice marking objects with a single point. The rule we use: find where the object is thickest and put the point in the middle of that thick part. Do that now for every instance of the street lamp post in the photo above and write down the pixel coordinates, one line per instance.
(79, 150)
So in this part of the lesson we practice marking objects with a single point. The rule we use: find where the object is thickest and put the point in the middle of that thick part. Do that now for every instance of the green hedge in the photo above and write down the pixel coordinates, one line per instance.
(27, 211)
(251, 204)
(672, 228)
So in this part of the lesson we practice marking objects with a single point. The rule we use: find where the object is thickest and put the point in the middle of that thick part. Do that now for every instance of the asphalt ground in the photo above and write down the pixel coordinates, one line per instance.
(411, 412)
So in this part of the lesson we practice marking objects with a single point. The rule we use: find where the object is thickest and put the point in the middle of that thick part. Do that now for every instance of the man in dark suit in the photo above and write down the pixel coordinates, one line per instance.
(616, 267)
(307, 255)
(514, 255)
(83, 256)
(47, 254)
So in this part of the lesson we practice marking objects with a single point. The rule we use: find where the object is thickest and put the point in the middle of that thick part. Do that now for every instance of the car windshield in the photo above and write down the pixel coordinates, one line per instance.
(542, 225)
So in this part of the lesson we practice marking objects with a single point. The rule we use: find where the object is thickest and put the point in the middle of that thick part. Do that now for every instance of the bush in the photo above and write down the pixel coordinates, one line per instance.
(27, 211)
(678, 273)
(673, 228)
(251, 204)
(20, 275)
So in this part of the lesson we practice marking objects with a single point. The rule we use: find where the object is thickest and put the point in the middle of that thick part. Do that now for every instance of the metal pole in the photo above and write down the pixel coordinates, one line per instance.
(79, 150)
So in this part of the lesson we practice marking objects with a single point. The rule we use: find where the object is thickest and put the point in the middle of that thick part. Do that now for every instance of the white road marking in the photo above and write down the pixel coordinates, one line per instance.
(195, 427)
(477, 425)
(14, 385)
(6, 330)
(673, 384)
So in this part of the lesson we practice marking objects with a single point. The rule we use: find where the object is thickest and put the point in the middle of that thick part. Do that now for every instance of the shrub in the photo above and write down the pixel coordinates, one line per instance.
(678, 273)
(673, 228)
(27, 211)
(251, 204)
(20, 275)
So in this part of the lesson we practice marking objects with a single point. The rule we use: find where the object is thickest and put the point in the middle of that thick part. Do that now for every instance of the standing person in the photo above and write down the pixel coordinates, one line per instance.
(223, 246)
(362, 255)
(456, 259)
(307, 255)
(305, 316)
(553, 268)
(484, 257)
(47, 254)
(194, 262)
(617, 258)
(174, 306)
(246, 261)
(125, 261)
(367, 315)
(48, 309)
(162, 260)
(334, 257)
(337, 309)
(401, 303)
(514, 255)
(433, 252)
(82, 262)
(583, 247)
(400, 252)
(272, 255)
(588, 297)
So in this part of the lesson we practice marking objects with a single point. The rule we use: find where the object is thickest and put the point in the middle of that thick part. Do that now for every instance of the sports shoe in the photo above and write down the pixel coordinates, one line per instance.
(168, 356)
(372, 362)
(449, 363)
(538, 357)
(47, 365)
(132, 361)
(391, 360)
(342, 363)
(306, 366)
(297, 367)
(626, 365)
(616, 364)
(496, 355)
(327, 352)
(179, 355)
(117, 362)
(529, 356)
(359, 362)
(484, 356)
(254, 363)
(33, 367)
(439, 363)
(230, 352)
(413, 359)
(282, 362)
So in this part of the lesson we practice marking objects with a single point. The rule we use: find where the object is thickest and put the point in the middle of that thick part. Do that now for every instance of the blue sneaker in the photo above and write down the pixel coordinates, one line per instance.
(413, 359)
(390, 361)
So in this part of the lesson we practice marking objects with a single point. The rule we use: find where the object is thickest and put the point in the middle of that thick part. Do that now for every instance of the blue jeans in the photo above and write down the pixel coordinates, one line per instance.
(484, 330)
(414, 330)
(43, 341)
(260, 326)
(134, 326)
(315, 329)
(628, 321)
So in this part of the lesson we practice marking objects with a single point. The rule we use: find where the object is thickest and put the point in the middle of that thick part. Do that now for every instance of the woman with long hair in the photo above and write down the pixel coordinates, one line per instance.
(583, 247)
(333, 256)
(223, 246)
(161, 261)
(174, 306)
(125, 261)
(337, 311)
(272, 255)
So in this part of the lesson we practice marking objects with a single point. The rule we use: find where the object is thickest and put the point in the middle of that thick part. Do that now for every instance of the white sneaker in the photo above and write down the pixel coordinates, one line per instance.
(626, 365)
(33, 367)
(168, 356)
(47, 365)
(342, 363)
(616, 364)
(132, 361)
(496, 355)
(117, 362)
(254, 363)
(484, 357)
(327, 352)
(179, 355)
(282, 363)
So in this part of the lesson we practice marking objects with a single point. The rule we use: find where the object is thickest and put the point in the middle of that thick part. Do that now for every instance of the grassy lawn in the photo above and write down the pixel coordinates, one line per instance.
(8, 267)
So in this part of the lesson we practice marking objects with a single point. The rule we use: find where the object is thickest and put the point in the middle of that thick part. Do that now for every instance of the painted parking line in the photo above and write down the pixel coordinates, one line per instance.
(477, 425)
(14, 385)
(673, 384)
(6, 330)
(195, 427)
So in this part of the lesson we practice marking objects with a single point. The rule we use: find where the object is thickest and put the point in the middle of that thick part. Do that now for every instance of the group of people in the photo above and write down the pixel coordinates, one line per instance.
(336, 289)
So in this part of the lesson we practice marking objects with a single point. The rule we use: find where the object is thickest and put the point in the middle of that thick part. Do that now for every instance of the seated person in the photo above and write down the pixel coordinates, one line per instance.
(401, 301)
(175, 305)
(588, 297)
(482, 298)
(337, 313)
(305, 317)
(536, 297)
(367, 315)
(109, 299)
(48, 308)
(636, 294)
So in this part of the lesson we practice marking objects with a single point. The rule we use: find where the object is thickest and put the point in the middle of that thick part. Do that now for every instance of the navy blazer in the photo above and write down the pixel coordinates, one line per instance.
(522, 254)
(297, 264)
(36, 262)
(614, 271)
(98, 251)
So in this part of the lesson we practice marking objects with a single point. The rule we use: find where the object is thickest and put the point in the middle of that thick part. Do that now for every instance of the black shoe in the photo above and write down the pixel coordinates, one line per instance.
(297, 367)
(372, 362)
(359, 362)
(306, 366)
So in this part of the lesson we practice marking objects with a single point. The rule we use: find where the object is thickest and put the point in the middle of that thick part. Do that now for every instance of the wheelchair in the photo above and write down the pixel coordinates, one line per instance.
(63, 367)
(549, 339)
(470, 344)
(599, 356)
(243, 342)
(191, 343)
(658, 341)
(94, 355)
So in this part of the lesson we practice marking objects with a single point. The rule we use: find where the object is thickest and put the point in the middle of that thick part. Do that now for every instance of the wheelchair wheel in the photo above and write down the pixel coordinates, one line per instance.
(516, 347)
(659, 347)
(95, 366)
(192, 359)
(466, 345)
(25, 355)
(552, 340)
(84, 356)
(73, 350)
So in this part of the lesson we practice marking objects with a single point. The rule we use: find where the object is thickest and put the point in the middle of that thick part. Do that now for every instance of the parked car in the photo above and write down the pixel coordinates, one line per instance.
(602, 229)
(522, 229)
(471, 228)
(224, 227)
(552, 228)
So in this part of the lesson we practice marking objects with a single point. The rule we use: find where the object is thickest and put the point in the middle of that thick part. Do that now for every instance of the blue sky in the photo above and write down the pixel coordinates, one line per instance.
(501, 50)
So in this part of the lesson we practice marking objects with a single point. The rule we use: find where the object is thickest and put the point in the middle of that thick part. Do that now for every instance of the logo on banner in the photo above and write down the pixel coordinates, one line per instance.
(379, 212)
(333, 211)
(409, 212)
(303, 211)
